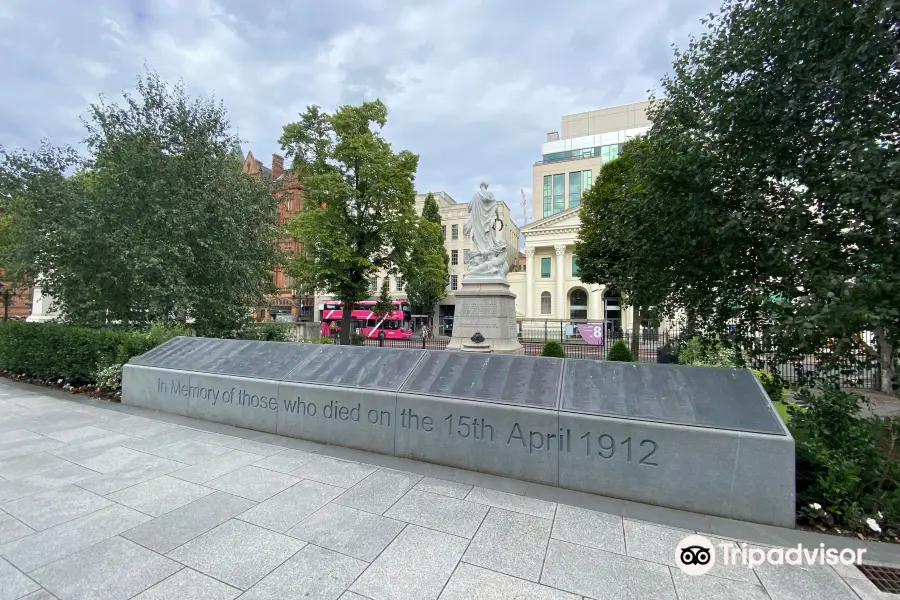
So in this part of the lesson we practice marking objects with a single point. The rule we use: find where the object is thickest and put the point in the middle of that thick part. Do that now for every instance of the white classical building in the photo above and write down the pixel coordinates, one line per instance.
(549, 288)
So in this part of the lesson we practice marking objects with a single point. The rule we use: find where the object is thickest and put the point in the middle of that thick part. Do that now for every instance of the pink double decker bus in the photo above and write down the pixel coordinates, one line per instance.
(395, 325)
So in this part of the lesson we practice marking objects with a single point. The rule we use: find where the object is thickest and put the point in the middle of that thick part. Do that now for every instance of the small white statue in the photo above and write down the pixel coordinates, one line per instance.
(488, 257)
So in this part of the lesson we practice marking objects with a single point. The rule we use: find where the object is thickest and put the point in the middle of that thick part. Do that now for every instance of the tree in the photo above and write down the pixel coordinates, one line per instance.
(359, 213)
(768, 184)
(427, 267)
(430, 210)
(158, 222)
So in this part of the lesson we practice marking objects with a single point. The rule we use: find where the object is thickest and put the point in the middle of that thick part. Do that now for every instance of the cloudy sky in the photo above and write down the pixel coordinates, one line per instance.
(472, 86)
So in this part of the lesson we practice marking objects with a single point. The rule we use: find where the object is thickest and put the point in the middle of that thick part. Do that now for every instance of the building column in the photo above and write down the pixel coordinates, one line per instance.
(529, 283)
(561, 304)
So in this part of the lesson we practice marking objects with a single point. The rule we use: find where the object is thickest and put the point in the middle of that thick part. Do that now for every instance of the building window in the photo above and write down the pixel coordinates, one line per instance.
(399, 284)
(585, 181)
(559, 193)
(373, 284)
(454, 232)
(545, 267)
(288, 280)
(453, 282)
(545, 303)
(465, 257)
(548, 195)
(574, 189)
(443, 232)
(578, 304)
(454, 256)
(576, 272)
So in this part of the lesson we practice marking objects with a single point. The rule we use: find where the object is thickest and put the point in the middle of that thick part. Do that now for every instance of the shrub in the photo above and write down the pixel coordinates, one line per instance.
(773, 387)
(554, 349)
(357, 339)
(320, 340)
(848, 465)
(267, 331)
(704, 353)
(53, 351)
(109, 376)
(620, 352)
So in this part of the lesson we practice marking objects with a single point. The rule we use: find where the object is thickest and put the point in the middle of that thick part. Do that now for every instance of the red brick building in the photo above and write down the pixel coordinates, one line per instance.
(284, 304)
(15, 299)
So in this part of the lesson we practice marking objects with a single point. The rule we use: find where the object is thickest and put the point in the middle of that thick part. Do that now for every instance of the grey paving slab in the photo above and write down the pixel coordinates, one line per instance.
(12, 528)
(20, 488)
(866, 590)
(513, 502)
(511, 543)
(189, 452)
(314, 573)
(812, 582)
(180, 526)
(253, 483)
(114, 569)
(379, 491)
(114, 459)
(415, 566)
(237, 553)
(352, 596)
(589, 528)
(349, 531)
(49, 545)
(474, 583)
(443, 487)
(20, 467)
(129, 476)
(442, 513)
(53, 507)
(188, 584)
(578, 570)
(78, 435)
(232, 460)
(653, 542)
(285, 509)
(715, 588)
(12, 437)
(13, 583)
(40, 595)
(140, 427)
(30, 447)
(160, 495)
(333, 471)
(286, 461)
(91, 448)
(255, 447)
(154, 443)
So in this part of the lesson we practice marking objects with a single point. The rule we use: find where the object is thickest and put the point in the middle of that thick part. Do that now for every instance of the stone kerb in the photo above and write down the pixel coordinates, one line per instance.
(703, 440)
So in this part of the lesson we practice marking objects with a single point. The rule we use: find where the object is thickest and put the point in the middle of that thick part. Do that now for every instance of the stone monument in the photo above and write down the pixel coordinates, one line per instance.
(485, 316)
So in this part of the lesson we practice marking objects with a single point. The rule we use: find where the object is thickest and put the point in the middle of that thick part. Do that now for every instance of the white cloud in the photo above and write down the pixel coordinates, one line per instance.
(471, 86)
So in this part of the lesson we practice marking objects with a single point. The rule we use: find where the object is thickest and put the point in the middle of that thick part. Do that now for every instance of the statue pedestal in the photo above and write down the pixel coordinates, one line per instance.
(485, 306)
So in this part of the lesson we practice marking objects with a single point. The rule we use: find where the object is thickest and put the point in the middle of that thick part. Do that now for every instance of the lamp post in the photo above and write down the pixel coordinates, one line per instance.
(5, 301)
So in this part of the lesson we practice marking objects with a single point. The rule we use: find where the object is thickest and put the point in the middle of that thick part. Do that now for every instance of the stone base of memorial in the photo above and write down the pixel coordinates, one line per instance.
(700, 439)
(485, 318)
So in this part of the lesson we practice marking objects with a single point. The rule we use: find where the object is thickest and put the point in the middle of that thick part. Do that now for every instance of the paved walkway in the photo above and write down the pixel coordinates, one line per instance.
(111, 502)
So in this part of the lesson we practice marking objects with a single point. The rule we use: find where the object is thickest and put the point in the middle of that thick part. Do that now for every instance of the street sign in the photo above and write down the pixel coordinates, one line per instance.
(592, 333)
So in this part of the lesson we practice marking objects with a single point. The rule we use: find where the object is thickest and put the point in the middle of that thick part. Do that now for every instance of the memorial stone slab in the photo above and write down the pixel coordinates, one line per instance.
(693, 438)
(701, 439)
(346, 395)
(490, 413)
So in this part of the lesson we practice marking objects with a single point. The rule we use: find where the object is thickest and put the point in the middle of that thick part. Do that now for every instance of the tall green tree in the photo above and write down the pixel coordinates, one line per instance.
(769, 183)
(359, 212)
(427, 266)
(157, 223)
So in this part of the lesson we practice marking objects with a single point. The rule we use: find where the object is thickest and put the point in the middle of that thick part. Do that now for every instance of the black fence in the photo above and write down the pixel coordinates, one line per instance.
(654, 345)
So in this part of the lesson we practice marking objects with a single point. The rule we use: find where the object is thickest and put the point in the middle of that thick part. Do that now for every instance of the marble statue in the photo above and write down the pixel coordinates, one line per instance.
(488, 258)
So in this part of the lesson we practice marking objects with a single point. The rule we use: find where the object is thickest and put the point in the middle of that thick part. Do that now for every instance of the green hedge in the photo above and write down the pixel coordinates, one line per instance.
(554, 349)
(75, 354)
(620, 352)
